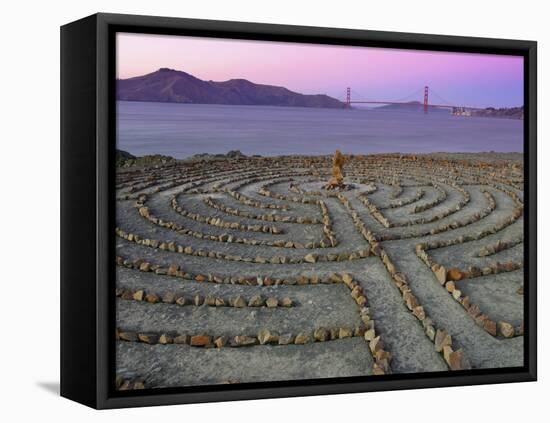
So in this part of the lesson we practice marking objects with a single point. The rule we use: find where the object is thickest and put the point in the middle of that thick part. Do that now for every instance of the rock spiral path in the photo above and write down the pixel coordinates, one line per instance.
(244, 270)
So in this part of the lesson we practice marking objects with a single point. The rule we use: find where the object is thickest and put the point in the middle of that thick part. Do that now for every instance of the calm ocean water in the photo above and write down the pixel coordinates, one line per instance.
(182, 130)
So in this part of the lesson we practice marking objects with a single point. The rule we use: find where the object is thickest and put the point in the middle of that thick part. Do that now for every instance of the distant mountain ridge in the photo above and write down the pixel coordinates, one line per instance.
(172, 86)
(412, 106)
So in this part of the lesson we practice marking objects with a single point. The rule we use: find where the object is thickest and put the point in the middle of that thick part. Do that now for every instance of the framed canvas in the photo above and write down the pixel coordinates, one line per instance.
(255, 211)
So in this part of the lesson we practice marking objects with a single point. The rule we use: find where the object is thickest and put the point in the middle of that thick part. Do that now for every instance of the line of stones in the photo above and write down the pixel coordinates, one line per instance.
(263, 337)
(122, 384)
(330, 239)
(229, 238)
(244, 199)
(455, 359)
(325, 193)
(174, 247)
(419, 194)
(264, 217)
(476, 217)
(247, 201)
(175, 270)
(445, 167)
(381, 357)
(375, 211)
(252, 175)
(178, 179)
(505, 328)
(194, 182)
(218, 222)
(498, 246)
(266, 192)
(441, 196)
(276, 179)
(447, 278)
(178, 298)
(259, 176)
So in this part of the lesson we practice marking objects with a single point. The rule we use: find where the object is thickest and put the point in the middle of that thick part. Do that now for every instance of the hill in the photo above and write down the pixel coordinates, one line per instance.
(172, 86)
(412, 106)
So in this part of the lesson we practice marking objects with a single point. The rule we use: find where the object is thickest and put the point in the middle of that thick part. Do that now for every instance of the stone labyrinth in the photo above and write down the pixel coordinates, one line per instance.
(245, 270)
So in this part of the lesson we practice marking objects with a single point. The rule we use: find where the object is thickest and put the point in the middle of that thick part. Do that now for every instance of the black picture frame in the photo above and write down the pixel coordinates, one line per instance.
(87, 209)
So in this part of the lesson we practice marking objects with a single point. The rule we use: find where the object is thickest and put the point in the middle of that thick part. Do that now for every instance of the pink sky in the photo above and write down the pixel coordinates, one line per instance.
(372, 73)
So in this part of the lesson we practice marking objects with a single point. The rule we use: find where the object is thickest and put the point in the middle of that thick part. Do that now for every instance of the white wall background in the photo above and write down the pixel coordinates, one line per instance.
(29, 208)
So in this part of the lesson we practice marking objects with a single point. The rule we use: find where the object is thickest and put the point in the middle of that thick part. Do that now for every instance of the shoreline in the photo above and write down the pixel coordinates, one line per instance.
(126, 159)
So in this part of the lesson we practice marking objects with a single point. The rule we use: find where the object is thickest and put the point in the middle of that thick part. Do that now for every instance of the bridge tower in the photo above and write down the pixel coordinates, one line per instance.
(426, 99)
(348, 98)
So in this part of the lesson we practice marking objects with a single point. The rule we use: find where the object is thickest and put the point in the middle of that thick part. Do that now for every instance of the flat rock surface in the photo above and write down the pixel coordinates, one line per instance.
(427, 199)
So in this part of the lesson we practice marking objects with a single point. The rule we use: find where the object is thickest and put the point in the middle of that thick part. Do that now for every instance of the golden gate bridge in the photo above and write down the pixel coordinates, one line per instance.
(440, 101)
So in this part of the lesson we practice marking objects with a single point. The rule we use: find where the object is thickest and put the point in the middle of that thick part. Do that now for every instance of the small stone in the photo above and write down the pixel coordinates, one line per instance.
(124, 386)
(376, 344)
(506, 329)
(286, 339)
(335, 278)
(430, 332)
(145, 267)
(450, 286)
(361, 300)
(180, 301)
(321, 334)
(302, 338)
(198, 300)
(138, 295)
(152, 298)
(173, 269)
(272, 302)
(266, 337)
(520, 290)
(220, 302)
(286, 302)
(243, 341)
(127, 294)
(139, 385)
(256, 301)
(442, 338)
(200, 340)
(457, 360)
(148, 338)
(165, 339)
(447, 350)
(169, 298)
(370, 335)
(347, 279)
(239, 302)
(345, 333)
(181, 339)
(419, 312)
(310, 258)
(128, 336)
(441, 275)
(377, 370)
(490, 326)
(220, 341)
(455, 274)
(456, 294)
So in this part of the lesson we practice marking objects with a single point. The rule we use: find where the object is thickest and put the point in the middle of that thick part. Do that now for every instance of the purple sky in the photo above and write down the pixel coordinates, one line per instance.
(372, 73)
